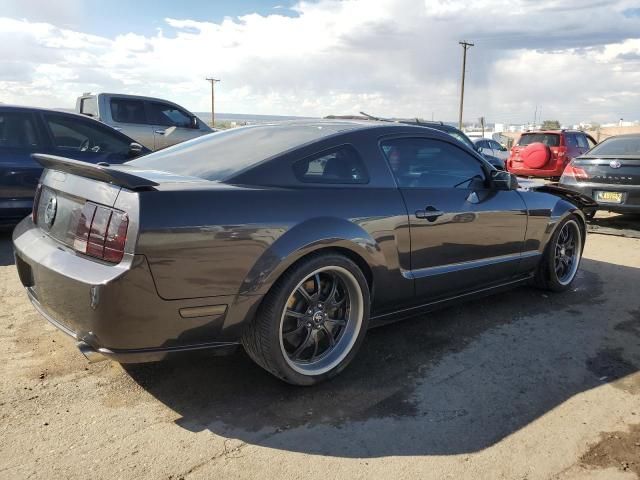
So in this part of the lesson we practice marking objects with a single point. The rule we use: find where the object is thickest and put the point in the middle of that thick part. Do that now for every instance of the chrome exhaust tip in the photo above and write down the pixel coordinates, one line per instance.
(90, 353)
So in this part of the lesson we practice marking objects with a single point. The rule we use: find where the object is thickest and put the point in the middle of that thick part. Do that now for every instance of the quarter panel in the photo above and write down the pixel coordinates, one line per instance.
(223, 241)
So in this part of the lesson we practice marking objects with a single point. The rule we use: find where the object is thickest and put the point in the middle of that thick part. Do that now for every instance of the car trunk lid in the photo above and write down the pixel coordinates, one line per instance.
(613, 170)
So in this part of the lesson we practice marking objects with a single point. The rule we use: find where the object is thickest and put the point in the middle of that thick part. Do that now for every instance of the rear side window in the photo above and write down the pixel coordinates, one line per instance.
(89, 106)
(168, 116)
(571, 140)
(430, 163)
(582, 141)
(341, 165)
(549, 139)
(127, 110)
(17, 131)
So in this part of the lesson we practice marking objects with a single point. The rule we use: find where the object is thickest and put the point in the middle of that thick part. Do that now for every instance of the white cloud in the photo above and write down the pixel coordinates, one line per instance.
(576, 60)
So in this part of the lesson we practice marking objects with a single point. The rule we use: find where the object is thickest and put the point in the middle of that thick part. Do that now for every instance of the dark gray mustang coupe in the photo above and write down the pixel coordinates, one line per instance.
(290, 239)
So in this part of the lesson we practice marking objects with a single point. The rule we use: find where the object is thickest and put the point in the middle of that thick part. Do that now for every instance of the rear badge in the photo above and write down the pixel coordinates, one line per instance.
(615, 164)
(50, 211)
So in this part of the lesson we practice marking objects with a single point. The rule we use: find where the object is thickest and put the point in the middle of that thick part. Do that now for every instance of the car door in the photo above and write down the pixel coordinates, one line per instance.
(464, 234)
(84, 139)
(19, 173)
(171, 124)
(129, 116)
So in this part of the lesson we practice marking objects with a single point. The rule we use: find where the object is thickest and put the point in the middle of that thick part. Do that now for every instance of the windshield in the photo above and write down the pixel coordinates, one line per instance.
(221, 155)
(618, 146)
(549, 139)
(463, 138)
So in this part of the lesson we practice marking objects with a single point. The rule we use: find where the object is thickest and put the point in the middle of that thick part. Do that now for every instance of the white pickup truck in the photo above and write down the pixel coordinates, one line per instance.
(153, 122)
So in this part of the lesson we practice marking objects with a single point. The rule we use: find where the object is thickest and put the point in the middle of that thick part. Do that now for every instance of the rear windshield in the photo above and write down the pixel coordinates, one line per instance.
(549, 139)
(618, 146)
(221, 155)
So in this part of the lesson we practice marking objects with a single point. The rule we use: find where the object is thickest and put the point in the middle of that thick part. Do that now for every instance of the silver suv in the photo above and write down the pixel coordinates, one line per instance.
(153, 122)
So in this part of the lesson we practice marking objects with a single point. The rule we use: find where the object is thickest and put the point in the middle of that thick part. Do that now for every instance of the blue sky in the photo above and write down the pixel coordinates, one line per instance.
(576, 60)
(113, 17)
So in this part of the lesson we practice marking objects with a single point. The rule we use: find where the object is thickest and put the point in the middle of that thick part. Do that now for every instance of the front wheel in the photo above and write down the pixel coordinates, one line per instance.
(559, 265)
(312, 321)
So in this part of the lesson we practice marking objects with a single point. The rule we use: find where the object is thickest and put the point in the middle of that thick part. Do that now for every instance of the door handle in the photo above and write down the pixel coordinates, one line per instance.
(159, 132)
(430, 213)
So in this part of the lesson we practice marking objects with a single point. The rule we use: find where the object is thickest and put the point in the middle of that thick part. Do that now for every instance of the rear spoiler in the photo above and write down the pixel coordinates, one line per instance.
(583, 202)
(102, 173)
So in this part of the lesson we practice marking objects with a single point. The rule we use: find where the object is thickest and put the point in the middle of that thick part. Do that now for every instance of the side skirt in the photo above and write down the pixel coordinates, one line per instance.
(391, 317)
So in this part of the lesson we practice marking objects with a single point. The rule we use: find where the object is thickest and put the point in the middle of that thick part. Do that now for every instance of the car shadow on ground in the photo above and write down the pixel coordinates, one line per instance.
(451, 382)
(6, 250)
(627, 225)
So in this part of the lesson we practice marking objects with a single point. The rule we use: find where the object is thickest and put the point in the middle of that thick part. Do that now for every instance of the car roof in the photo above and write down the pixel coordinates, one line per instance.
(85, 118)
(41, 109)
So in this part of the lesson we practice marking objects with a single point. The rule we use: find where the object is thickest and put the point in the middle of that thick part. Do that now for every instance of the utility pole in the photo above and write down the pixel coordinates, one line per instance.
(213, 82)
(465, 46)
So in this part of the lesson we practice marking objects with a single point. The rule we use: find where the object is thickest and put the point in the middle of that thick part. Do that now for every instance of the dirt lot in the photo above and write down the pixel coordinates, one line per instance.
(527, 385)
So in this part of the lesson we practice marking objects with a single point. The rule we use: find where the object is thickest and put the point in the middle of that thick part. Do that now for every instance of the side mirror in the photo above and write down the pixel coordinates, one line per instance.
(503, 180)
(135, 149)
(194, 122)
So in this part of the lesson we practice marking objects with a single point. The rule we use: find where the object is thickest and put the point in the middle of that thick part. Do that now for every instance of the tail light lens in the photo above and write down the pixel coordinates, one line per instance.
(577, 173)
(101, 232)
(36, 201)
(559, 152)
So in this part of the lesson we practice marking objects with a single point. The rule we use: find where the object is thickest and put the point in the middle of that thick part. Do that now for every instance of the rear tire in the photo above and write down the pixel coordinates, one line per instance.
(560, 263)
(312, 322)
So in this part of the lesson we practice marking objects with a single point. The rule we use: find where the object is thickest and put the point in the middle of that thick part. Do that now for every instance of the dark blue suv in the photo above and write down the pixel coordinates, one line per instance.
(26, 130)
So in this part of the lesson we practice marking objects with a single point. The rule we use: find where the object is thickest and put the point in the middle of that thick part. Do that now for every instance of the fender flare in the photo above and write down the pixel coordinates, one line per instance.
(304, 239)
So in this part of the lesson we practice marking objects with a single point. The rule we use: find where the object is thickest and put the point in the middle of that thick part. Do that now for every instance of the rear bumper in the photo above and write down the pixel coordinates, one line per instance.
(518, 168)
(115, 309)
(631, 195)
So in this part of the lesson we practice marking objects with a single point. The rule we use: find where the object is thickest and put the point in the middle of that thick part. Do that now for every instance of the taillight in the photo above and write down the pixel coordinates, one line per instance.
(575, 172)
(101, 232)
(560, 152)
(36, 200)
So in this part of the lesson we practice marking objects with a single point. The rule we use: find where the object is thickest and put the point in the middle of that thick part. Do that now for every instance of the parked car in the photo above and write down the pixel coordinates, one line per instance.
(546, 153)
(491, 148)
(461, 136)
(609, 173)
(26, 130)
(288, 239)
(153, 122)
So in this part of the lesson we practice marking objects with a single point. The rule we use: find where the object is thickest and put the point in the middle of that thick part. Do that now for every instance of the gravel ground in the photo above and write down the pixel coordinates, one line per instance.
(524, 385)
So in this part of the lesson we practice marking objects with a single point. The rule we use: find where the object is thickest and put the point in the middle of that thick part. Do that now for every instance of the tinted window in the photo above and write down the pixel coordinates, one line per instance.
(166, 115)
(582, 141)
(17, 130)
(618, 146)
(463, 138)
(495, 145)
(75, 134)
(549, 139)
(571, 140)
(340, 165)
(221, 155)
(427, 163)
(128, 110)
(89, 106)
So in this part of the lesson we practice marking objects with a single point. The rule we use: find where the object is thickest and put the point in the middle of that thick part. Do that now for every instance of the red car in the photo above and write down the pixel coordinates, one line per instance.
(547, 153)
